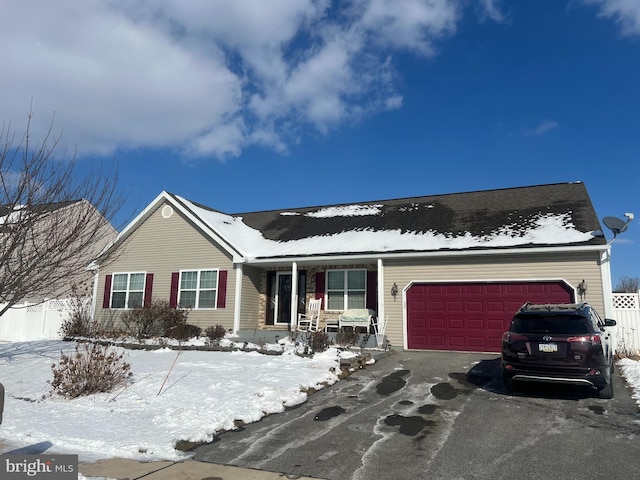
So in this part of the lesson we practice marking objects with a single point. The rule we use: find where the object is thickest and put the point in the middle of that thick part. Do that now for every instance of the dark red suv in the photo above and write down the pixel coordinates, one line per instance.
(559, 343)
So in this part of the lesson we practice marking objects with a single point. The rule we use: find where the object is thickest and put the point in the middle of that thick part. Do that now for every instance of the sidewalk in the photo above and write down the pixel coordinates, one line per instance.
(126, 469)
(121, 469)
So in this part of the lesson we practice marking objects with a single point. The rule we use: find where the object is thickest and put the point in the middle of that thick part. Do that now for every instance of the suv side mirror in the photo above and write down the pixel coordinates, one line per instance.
(608, 322)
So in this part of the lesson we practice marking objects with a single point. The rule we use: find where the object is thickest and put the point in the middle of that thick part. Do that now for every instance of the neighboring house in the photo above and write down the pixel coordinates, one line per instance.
(446, 271)
(39, 313)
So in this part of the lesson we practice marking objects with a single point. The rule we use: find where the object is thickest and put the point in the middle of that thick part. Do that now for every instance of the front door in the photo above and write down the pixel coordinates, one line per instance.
(279, 296)
(283, 298)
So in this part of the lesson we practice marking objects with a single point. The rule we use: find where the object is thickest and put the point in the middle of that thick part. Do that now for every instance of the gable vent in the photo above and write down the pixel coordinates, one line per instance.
(167, 211)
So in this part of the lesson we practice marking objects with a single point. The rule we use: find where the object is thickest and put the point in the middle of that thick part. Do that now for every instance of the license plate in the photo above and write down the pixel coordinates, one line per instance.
(548, 347)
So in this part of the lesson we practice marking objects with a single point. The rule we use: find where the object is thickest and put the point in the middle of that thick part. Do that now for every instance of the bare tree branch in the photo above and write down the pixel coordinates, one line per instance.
(53, 221)
(628, 285)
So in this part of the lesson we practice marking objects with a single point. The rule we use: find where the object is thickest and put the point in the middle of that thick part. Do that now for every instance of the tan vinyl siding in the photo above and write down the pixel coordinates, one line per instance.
(250, 299)
(571, 267)
(165, 245)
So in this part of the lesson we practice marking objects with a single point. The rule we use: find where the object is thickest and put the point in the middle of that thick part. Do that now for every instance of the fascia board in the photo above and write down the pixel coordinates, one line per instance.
(131, 226)
(431, 254)
(208, 230)
(142, 216)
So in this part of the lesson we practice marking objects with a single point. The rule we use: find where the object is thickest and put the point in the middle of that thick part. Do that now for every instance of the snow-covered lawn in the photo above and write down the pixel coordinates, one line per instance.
(204, 393)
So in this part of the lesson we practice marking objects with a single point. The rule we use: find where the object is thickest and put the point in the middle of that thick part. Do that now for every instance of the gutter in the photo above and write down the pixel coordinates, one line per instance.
(310, 259)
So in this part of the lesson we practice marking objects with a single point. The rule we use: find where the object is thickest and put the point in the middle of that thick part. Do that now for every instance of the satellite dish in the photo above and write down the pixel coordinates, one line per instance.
(616, 225)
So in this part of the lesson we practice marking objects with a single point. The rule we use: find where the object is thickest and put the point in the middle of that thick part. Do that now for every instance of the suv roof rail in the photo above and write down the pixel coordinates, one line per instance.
(552, 306)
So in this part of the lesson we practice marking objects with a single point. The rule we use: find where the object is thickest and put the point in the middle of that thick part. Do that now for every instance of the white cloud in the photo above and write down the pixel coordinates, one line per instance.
(625, 12)
(542, 128)
(491, 10)
(207, 78)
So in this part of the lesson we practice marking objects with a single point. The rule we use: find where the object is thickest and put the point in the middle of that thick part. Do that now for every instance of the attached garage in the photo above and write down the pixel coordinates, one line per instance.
(472, 316)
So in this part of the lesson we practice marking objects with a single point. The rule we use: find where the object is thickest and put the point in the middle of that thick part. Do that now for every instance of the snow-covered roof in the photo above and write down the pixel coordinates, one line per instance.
(547, 215)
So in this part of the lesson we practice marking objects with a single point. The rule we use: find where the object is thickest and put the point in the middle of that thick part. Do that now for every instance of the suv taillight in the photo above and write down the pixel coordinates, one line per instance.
(509, 337)
(593, 339)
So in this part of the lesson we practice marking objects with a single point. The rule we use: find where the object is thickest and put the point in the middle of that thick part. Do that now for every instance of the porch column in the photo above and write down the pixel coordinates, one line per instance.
(294, 295)
(381, 289)
(237, 298)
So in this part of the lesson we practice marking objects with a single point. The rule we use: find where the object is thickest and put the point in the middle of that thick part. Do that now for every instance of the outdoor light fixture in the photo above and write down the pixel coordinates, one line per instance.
(582, 289)
(394, 290)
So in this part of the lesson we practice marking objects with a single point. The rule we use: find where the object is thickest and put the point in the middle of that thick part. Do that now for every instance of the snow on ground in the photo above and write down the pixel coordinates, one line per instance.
(204, 393)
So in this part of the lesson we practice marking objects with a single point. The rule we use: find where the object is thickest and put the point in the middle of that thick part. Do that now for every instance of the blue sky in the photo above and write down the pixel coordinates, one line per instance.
(252, 105)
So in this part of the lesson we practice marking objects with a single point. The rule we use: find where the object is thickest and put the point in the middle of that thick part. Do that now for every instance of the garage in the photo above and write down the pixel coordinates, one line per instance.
(472, 316)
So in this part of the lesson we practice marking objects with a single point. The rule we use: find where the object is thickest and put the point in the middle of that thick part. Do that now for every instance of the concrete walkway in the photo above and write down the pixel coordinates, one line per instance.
(121, 469)
(126, 469)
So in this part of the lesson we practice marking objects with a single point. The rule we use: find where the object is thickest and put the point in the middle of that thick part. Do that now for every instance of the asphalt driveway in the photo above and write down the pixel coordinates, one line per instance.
(437, 415)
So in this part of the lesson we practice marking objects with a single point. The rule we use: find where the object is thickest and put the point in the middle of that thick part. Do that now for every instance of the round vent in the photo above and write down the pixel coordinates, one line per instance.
(167, 211)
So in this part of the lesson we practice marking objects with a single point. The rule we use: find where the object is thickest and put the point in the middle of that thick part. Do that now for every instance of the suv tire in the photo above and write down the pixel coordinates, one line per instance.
(606, 392)
(509, 383)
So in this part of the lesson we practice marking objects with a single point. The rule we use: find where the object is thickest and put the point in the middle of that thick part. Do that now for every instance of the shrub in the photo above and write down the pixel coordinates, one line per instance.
(92, 369)
(214, 334)
(347, 336)
(78, 322)
(318, 341)
(154, 320)
(183, 331)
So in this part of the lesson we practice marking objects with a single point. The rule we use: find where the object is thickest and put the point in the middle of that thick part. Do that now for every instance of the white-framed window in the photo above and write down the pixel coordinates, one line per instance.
(127, 290)
(198, 289)
(346, 289)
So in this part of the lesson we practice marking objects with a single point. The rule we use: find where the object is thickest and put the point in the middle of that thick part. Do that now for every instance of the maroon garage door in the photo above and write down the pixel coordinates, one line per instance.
(471, 316)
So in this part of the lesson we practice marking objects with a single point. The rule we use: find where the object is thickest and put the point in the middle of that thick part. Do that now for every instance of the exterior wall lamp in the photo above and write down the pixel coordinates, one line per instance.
(394, 291)
(582, 289)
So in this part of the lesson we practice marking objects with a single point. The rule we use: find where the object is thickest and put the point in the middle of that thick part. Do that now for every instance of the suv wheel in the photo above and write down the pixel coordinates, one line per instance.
(606, 392)
(509, 383)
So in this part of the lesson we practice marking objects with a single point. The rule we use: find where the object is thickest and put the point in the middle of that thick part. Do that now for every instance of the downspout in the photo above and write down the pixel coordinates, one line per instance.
(607, 286)
(96, 276)
(237, 298)
(294, 296)
(607, 291)
(381, 289)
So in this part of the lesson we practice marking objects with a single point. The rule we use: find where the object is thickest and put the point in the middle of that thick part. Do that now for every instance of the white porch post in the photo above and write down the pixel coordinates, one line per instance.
(381, 289)
(294, 295)
(237, 298)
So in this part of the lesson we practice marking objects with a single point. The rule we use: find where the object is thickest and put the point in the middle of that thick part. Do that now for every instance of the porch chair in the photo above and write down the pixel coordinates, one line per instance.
(308, 322)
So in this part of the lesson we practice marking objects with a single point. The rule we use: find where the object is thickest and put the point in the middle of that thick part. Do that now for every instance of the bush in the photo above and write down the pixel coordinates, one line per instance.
(78, 322)
(158, 319)
(347, 336)
(92, 369)
(318, 341)
(214, 334)
(183, 331)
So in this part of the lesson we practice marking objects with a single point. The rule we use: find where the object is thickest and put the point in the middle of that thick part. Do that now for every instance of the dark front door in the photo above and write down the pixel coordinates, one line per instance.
(283, 299)
(279, 293)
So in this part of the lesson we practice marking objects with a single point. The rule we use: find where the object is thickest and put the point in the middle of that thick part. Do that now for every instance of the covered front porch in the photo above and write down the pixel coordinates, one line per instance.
(284, 291)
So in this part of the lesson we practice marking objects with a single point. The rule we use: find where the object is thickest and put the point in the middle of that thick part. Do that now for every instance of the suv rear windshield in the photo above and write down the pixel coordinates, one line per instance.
(552, 324)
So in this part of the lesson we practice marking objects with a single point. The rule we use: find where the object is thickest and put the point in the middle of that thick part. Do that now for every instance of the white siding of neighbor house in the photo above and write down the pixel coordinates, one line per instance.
(164, 245)
(571, 267)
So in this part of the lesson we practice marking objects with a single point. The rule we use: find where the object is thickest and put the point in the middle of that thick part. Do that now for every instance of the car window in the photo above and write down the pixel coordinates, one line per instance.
(552, 324)
(597, 321)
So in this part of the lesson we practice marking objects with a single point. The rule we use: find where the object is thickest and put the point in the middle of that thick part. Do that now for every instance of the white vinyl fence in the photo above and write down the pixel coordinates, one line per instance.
(41, 321)
(626, 312)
